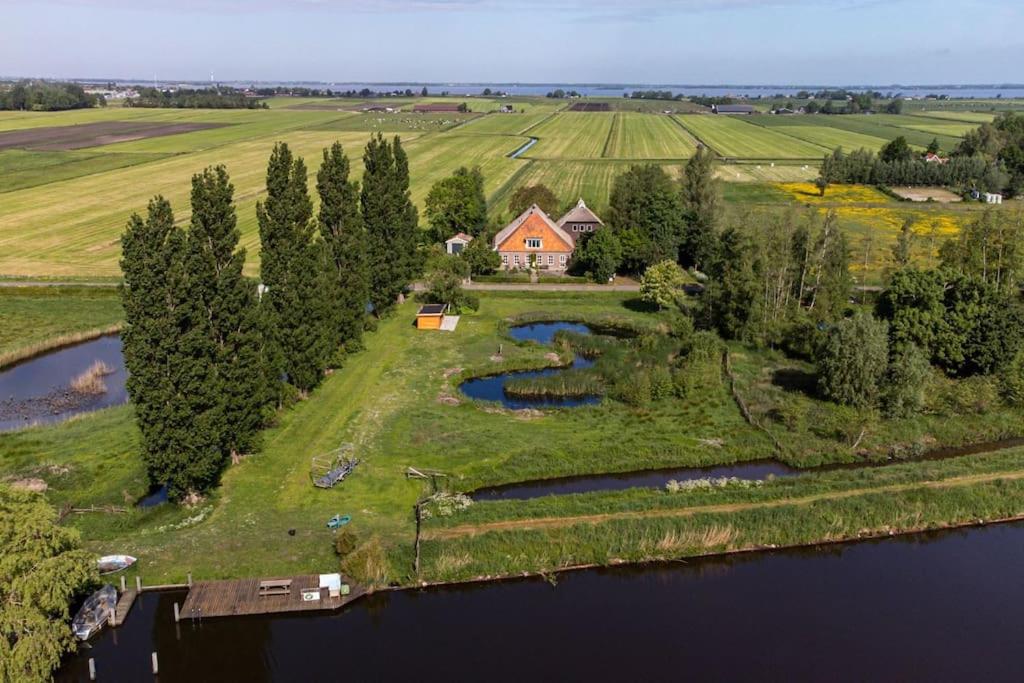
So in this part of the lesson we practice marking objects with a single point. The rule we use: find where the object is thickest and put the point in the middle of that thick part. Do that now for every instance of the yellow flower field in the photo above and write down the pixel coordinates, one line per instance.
(835, 194)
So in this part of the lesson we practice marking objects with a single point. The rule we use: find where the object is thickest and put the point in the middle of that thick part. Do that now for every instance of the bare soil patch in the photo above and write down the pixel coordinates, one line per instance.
(63, 138)
(590, 106)
(923, 194)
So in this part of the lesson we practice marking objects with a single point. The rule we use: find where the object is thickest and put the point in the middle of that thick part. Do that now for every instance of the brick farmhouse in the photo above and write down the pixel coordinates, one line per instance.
(534, 240)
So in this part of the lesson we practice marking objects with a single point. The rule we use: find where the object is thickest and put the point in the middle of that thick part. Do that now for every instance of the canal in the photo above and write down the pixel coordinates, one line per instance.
(943, 606)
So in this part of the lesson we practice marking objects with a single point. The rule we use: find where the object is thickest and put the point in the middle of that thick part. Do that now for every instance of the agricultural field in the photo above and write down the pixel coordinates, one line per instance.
(572, 135)
(503, 124)
(398, 122)
(20, 169)
(975, 117)
(815, 128)
(32, 318)
(874, 126)
(739, 139)
(647, 136)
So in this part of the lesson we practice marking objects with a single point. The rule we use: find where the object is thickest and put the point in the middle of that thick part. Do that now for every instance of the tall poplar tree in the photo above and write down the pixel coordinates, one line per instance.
(228, 300)
(390, 220)
(701, 207)
(292, 269)
(341, 228)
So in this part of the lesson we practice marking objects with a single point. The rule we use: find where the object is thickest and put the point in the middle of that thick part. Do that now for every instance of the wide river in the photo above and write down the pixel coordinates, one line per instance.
(945, 606)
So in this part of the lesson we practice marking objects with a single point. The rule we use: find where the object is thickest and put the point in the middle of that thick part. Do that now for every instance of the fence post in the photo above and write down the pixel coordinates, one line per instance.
(190, 579)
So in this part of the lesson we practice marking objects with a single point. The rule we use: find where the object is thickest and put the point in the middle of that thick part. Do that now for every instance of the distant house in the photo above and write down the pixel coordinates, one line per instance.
(533, 239)
(992, 198)
(934, 159)
(579, 220)
(506, 109)
(438, 108)
(733, 109)
(456, 243)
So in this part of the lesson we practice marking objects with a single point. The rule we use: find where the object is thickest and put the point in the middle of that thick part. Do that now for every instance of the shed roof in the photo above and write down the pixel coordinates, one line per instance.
(431, 309)
(580, 213)
(460, 237)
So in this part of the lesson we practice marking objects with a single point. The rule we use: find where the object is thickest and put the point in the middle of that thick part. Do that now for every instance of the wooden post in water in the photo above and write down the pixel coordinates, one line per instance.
(92, 669)
(156, 665)
(138, 584)
(419, 517)
(176, 615)
(123, 585)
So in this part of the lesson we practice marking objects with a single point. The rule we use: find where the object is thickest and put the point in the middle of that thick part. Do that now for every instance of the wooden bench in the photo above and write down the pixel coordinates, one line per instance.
(275, 587)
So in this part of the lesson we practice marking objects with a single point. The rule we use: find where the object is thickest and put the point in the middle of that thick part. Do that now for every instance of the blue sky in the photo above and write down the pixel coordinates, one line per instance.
(646, 41)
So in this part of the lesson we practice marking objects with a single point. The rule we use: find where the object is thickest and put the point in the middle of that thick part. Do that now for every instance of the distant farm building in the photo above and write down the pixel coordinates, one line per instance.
(733, 109)
(934, 158)
(438, 108)
(533, 240)
(992, 198)
(456, 243)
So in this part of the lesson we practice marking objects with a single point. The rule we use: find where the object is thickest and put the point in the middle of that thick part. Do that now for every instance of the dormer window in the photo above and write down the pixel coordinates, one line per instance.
(533, 243)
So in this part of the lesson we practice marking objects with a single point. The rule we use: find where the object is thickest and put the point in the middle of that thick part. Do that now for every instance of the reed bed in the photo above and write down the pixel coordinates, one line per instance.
(91, 381)
(567, 384)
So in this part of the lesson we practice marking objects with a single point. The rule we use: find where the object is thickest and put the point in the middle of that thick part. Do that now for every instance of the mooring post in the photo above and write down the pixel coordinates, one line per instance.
(190, 579)
(138, 584)
(122, 584)
(112, 616)
(176, 615)
(92, 669)
(156, 665)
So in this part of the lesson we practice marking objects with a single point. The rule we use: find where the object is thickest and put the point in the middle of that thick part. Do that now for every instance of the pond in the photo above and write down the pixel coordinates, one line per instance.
(941, 606)
(492, 387)
(757, 470)
(38, 390)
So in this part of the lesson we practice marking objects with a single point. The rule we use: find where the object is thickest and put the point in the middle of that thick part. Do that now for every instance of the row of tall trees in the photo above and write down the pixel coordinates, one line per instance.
(865, 167)
(47, 96)
(211, 352)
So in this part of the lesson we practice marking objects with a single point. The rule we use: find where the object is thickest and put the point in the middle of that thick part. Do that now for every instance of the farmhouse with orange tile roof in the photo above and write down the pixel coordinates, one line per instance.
(534, 240)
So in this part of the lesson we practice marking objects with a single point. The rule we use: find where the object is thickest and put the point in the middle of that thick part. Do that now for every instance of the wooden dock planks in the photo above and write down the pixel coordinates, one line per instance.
(240, 597)
(124, 606)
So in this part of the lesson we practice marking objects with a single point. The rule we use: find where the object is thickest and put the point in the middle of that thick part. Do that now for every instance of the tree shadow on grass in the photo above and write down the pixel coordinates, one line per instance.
(797, 381)
(639, 305)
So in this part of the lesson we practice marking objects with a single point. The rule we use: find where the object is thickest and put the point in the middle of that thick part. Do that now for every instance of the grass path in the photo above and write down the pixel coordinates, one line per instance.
(560, 522)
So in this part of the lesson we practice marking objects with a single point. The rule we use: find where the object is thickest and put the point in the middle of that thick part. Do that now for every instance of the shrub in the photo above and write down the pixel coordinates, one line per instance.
(853, 360)
(1011, 381)
(635, 388)
(661, 282)
(660, 382)
(903, 394)
(345, 542)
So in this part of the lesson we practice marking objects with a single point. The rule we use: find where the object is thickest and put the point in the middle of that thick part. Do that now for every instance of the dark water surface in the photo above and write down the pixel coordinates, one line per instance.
(492, 388)
(756, 470)
(943, 606)
(38, 390)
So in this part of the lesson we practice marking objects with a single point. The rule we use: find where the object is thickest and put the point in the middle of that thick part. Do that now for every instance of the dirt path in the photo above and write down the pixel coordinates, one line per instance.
(558, 522)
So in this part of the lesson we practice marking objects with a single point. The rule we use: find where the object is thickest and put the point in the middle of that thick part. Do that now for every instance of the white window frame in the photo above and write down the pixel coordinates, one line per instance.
(504, 259)
(551, 259)
(515, 259)
(534, 243)
(562, 259)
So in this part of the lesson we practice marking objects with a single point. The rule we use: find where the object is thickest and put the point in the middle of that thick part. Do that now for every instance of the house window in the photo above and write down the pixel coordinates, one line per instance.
(551, 259)
(590, 228)
(533, 243)
(515, 259)
(504, 259)
(561, 259)
(575, 228)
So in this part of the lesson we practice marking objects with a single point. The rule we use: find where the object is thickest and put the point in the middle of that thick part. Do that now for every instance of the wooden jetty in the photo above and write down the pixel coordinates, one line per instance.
(124, 606)
(244, 596)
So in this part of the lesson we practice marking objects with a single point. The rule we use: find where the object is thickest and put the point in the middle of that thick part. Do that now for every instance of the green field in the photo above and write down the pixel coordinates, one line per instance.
(817, 129)
(20, 169)
(736, 138)
(503, 124)
(30, 317)
(572, 135)
(647, 136)
(975, 117)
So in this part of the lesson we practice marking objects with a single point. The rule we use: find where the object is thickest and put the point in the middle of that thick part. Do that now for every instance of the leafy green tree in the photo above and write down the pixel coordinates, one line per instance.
(732, 296)
(341, 229)
(646, 214)
(390, 220)
(227, 299)
(895, 106)
(480, 257)
(660, 283)
(991, 248)
(42, 571)
(903, 391)
(293, 267)
(896, 150)
(528, 195)
(902, 252)
(933, 147)
(853, 360)
(457, 204)
(1011, 380)
(834, 283)
(599, 254)
(445, 275)
(701, 199)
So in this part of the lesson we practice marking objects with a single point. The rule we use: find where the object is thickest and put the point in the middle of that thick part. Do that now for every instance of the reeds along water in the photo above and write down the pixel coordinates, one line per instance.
(91, 381)
(567, 384)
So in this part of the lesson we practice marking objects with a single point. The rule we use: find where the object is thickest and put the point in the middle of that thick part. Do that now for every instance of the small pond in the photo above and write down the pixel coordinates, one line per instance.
(757, 470)
(38, 390)
(155, 497)
(492, 388)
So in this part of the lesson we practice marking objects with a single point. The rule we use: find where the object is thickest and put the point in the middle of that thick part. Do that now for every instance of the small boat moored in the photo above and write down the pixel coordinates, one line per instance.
(338, 521)
(95, 613)
(108, 564)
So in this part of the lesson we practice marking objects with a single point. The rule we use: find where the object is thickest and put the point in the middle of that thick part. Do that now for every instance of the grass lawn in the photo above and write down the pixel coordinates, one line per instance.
(647, 136)
(740, 139)
(21, 169)
(394, 403)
